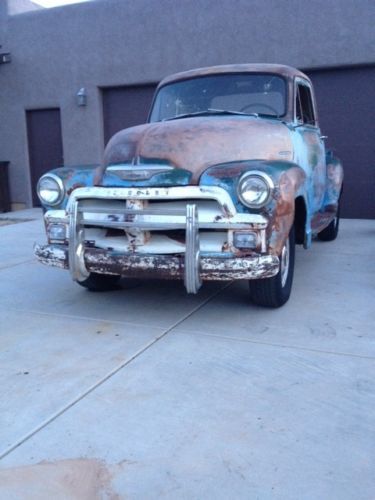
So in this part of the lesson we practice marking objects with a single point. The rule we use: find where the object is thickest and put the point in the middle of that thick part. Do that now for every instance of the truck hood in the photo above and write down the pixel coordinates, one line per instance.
(196, 143)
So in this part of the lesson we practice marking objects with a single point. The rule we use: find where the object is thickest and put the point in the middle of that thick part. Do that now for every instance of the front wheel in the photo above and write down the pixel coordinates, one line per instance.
(275, 292)
(100, 282)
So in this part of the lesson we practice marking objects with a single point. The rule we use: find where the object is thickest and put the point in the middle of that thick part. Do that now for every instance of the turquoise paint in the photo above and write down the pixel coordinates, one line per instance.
(309, 154)
(227, 176)
(72, 177)
(85, 176)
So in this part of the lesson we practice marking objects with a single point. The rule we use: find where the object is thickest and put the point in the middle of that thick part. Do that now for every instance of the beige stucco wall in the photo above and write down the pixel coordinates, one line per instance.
(116, 42)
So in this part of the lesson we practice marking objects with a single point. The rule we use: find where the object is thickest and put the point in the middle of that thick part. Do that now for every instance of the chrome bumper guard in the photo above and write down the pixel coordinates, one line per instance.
(77, 265)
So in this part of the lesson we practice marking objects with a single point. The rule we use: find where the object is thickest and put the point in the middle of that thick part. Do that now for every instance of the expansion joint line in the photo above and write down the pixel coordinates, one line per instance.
(109, 375)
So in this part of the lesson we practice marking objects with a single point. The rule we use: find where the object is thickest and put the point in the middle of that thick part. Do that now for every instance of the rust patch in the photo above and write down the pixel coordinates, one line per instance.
(172, 267)
(97, 176)
(74, 186)
(226, 210)
(282, 217)
(226, 247)
(322, 219)
(222, 173)
(52, 255)
(197, 143)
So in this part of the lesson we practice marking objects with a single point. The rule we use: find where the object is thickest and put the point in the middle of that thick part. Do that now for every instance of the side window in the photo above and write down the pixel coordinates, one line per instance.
(299, 115)
(304, 105)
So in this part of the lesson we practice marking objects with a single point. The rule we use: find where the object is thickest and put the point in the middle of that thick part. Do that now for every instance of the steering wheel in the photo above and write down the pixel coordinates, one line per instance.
(267, 106)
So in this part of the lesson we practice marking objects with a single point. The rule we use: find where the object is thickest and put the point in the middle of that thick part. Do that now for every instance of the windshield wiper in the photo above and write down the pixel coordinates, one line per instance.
(229, 112)
(210, 111)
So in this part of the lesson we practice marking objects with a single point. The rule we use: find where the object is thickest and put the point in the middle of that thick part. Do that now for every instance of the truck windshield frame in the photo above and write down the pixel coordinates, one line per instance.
(248, 93)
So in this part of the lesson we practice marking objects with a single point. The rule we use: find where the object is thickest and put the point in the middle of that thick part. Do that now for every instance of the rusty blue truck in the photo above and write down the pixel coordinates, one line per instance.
(229, 173)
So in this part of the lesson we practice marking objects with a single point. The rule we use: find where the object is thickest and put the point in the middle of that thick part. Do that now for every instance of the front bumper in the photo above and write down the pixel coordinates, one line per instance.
(161, 266)
(191, 263)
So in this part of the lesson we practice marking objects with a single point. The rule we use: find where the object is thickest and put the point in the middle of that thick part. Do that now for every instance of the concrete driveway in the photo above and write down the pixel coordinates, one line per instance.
(146, 392)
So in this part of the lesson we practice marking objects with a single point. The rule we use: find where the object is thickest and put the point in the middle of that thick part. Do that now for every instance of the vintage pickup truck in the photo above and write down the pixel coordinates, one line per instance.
(229, 173)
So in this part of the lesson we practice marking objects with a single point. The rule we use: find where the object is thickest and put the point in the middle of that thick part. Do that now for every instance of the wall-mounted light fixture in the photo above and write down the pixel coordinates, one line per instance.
(81, 97)
(5, 57)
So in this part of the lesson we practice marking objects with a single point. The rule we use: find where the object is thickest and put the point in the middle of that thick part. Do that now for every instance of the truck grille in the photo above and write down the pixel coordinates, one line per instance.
(150, 226)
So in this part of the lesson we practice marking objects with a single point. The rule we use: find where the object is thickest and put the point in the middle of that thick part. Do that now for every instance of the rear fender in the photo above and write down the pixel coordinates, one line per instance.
(335, 177)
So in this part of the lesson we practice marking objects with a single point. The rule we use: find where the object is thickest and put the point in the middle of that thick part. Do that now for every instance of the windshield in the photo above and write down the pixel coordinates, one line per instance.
(248, 93)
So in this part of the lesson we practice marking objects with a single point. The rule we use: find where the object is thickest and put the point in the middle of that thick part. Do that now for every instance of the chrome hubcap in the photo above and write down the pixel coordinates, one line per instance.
(284, 263)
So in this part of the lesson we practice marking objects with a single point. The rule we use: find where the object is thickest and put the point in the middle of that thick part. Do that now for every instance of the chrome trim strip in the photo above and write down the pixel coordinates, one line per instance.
(132, 211)
(141, 166)
(137, 172)
(167, 225)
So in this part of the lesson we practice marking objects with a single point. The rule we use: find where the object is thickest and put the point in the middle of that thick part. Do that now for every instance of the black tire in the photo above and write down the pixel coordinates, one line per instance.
(100, 282)
(331, 231)
(275, 292)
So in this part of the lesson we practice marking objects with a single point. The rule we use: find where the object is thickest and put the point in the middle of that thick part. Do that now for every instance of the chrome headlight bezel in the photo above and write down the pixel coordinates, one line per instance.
(60, 189)
(257, 175)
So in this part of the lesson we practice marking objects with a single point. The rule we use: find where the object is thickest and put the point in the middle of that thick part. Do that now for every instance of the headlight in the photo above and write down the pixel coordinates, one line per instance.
(255, 189)
(50, 189)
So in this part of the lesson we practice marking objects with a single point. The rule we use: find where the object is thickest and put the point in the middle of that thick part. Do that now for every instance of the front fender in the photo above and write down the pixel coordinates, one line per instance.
(290, 183)
(72, 178)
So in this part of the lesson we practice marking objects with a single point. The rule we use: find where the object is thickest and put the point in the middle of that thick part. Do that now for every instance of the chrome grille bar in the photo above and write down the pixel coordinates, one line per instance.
(131, 211)
(162, 225)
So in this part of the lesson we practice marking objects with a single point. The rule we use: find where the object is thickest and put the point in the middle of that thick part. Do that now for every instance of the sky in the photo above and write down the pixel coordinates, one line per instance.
(56, 3)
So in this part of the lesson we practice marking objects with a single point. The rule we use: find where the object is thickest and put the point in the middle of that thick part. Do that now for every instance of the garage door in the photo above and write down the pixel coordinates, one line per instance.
(125, 106)
(346, 114)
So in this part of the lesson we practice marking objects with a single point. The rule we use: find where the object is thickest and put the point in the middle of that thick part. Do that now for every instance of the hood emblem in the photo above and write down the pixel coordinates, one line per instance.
(137, 172)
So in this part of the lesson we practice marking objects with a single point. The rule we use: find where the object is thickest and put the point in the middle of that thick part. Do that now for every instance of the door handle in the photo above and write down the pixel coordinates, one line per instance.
(322, 137)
